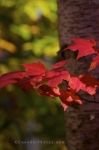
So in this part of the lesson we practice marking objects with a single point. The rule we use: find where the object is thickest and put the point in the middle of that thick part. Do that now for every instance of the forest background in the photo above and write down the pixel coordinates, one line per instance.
(28, 33)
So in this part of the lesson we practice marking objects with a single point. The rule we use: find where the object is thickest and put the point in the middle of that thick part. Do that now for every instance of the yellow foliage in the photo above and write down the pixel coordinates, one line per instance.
(8, 46)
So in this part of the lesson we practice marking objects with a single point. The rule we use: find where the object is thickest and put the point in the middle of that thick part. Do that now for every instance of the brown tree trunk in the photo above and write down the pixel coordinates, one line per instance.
(80, 18)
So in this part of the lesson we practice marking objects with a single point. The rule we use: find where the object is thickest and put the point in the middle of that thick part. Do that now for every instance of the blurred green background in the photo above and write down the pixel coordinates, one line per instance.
(28, 32)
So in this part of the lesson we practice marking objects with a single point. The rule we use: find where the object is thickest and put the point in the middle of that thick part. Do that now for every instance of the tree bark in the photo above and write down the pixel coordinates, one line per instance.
(80, 18)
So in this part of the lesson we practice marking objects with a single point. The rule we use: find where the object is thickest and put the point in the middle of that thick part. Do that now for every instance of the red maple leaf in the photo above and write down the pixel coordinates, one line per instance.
(85, 83)
(69, 97)
(54, 78)
(48, 91)
(76, 84)
(34, 69)
(89, 80)
(36, 72)
(31, 77)
(11, 78)
(83, 46)
(25, 84)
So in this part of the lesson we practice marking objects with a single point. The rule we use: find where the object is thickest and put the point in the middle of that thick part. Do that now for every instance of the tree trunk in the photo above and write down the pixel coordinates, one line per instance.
(80, 18)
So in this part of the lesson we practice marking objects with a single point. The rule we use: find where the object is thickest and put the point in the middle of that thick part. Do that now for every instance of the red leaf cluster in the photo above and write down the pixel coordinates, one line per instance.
(59, 81)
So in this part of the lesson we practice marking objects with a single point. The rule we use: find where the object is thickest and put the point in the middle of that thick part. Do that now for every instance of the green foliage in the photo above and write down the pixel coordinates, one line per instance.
(28, 31)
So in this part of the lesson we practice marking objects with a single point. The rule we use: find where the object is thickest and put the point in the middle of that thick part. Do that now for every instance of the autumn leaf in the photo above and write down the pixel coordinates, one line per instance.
(25, 84)
(76, 84)
(48, 91)
(83, 46)
(35, 73)
(68, 98)
(11, 78)
(85, 83)
(34, 69)
(30, 78)
(89, 80)
(54, 78)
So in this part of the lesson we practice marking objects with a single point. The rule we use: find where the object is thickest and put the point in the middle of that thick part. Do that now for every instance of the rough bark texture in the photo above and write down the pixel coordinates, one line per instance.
(80, 18)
